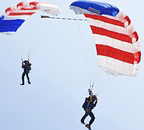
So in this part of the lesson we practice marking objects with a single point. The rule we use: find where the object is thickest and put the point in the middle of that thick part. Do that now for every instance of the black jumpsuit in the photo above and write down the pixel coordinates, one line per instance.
(26, 66)
(88, 105)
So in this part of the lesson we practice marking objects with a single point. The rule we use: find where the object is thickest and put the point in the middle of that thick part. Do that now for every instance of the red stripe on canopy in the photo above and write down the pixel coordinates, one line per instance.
(111, 34)
(105, 19)
(20, 13)
(111, 52)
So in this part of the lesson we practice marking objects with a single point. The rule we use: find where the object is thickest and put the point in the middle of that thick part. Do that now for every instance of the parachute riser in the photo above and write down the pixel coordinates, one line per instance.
(27, 58)
(90, 90)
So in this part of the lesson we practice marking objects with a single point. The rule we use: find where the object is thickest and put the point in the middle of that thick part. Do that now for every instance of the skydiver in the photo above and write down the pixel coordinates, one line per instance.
(88, 105)
(26, 65)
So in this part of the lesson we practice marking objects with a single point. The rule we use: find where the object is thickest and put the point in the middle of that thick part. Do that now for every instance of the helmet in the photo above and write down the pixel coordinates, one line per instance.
(26, 61)
(90, 92)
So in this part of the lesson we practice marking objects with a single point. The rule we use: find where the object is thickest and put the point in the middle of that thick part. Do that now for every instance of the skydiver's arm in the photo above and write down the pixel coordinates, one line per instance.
(96, 101)
(23, 65)
(30, 64)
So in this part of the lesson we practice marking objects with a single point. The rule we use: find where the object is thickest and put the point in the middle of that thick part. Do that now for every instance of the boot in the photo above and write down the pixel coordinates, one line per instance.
(82, 122)
(88, 126)
(29, 82)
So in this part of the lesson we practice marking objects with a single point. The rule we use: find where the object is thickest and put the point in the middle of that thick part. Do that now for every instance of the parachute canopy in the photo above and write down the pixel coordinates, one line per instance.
(14, 17)
(117, 42)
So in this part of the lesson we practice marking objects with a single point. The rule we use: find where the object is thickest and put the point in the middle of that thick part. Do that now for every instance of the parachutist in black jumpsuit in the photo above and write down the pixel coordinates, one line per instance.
(89, 104)
(26, 65)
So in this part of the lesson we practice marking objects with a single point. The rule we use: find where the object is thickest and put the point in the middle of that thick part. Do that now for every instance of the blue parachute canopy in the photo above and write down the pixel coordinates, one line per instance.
(1, 18)
(96, 7)
(10, 25)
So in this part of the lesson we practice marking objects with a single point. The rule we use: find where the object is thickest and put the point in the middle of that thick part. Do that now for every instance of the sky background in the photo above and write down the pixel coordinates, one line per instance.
(64, 63)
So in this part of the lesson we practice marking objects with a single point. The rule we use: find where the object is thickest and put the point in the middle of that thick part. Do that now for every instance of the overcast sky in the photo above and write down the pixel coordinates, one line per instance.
(64, 63)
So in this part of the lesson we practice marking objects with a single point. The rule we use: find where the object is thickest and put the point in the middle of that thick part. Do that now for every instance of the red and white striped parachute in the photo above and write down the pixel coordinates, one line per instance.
(117, 46)
(15, 16)
(117, 42)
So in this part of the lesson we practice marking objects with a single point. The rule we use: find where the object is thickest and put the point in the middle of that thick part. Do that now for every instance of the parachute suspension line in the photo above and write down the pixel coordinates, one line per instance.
(23, 50)
(84, 36)
(89, 53)
(34, 45)
(63, 18)
(20, 52)
(24, 53)
(93, 65)
(91, 86)
(105, 84)
(99, 85)
(92, 73)
(90, 59)
(93, 59)
(41, 36)
(30, 52)
(98, 93)
(28, 58)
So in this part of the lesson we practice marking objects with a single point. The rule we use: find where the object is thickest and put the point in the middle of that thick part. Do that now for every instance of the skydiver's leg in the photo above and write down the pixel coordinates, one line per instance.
(23, 75)
(92, 118)
(28, 78)
(83, 118)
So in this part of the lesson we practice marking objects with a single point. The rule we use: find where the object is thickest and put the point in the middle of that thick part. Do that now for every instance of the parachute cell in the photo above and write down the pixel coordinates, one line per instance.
(14, 17)
(117, 42)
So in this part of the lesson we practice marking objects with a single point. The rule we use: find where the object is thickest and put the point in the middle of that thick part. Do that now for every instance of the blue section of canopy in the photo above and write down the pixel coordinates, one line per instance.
(10, 25)
(1, 18)
(97, 7)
